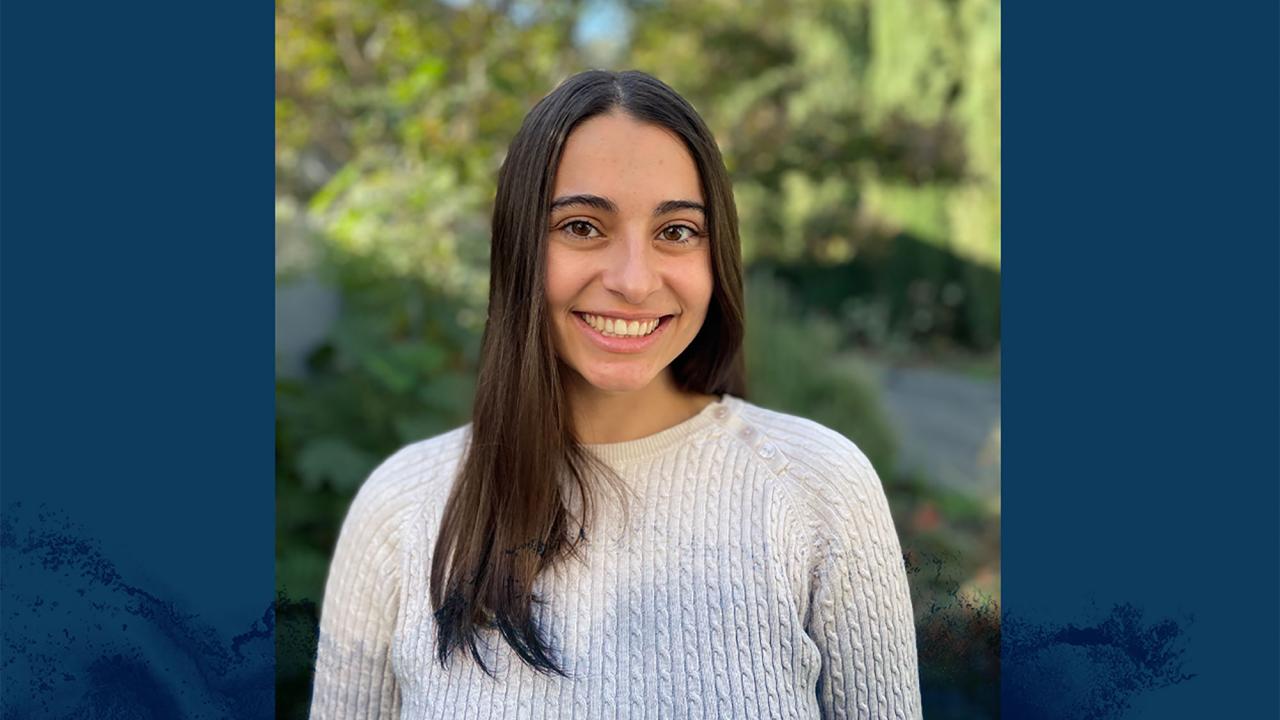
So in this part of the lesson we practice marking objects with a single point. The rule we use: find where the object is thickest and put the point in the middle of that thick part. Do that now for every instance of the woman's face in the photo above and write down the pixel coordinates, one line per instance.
(628, 254)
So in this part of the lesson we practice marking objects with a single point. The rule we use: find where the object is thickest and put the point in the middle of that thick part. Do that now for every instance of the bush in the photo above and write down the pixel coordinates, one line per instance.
(792, 367)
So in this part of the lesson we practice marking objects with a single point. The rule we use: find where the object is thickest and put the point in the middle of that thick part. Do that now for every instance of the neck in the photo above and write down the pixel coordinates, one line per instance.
(602, 416)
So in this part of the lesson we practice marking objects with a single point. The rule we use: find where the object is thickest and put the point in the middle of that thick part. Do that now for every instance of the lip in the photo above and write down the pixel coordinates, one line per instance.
(621, 314)
(621, 344)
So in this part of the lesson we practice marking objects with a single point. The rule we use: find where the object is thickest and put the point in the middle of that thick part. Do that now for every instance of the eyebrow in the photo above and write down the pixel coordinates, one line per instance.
(670, 206)
(607, 205)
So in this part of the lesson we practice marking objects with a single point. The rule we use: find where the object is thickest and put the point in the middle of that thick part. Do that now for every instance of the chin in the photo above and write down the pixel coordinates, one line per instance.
(620, 382)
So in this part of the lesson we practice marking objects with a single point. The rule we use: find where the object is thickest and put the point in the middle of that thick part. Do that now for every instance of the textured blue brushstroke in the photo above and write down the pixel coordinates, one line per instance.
(1089, 670)
(81, 641)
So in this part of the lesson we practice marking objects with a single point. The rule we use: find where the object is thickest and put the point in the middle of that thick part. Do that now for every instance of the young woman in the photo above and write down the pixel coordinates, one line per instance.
(746, 567)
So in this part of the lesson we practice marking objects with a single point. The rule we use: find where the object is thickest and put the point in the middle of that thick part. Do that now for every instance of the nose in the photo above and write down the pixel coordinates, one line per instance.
(632, 270)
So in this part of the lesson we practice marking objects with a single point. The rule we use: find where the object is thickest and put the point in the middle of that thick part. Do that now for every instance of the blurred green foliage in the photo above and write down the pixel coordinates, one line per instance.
(789, 369)
(863, 141)
(844, 121)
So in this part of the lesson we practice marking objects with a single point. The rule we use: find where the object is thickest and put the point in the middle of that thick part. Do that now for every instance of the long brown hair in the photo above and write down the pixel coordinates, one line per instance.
(506, 518)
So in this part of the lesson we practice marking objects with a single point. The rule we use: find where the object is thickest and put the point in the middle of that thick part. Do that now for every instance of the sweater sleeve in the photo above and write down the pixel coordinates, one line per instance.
(860, 609)
(354, 677)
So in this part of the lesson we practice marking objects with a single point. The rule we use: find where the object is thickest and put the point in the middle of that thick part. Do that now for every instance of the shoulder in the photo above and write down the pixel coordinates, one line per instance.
(824, 473)
(415, 476)
(807, 444)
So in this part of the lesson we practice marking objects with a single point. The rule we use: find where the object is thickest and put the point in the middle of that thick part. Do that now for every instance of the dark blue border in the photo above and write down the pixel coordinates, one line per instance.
(137, 362)
(1140, 361)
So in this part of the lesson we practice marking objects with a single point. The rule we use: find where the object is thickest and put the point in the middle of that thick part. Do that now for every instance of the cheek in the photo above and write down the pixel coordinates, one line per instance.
(560, 290)
(699, 285)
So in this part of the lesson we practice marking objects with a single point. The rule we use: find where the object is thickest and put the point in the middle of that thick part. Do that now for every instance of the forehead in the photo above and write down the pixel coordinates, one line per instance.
(633, 163)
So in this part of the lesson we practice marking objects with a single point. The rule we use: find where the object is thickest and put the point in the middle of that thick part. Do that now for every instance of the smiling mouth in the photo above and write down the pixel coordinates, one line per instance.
(620, 328)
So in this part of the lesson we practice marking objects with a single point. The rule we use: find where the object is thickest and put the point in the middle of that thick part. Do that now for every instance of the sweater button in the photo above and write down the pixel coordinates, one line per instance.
(747, 432)
(767, 451)
(721, 412)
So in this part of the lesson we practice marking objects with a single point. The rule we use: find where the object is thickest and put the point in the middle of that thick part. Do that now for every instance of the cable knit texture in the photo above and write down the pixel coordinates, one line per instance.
(760, 576)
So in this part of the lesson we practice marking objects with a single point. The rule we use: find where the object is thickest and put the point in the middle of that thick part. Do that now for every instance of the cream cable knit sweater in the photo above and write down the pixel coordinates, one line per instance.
(760, 577)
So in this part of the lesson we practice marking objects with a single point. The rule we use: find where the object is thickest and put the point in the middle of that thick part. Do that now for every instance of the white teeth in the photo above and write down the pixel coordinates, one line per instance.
(621, 328)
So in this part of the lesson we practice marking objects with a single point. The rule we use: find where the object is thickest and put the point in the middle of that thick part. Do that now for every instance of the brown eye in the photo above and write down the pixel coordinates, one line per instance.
(678, 234)
(580, 229)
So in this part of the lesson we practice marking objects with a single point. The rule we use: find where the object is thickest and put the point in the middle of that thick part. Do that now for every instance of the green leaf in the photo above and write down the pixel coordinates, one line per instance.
(412, 428)
(334, 462)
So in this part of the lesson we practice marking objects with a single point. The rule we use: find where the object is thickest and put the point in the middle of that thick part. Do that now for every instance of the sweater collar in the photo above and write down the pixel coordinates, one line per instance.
(713, 414)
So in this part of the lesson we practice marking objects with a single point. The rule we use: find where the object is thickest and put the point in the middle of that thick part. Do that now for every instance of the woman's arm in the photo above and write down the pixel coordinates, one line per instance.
(860, 610)
(354, 678)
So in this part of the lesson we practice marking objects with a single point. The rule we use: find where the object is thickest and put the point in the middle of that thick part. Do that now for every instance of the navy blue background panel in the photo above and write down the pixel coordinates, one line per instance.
(1140, 362)
(138, 494)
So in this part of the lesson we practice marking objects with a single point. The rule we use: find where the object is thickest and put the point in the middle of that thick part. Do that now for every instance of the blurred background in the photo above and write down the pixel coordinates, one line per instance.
(863, 138)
